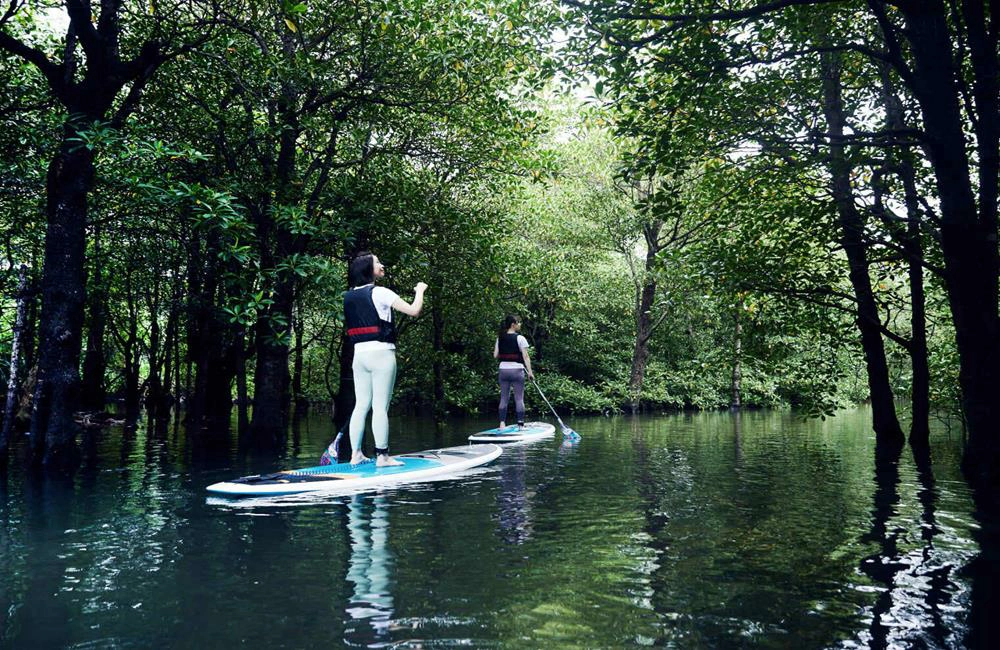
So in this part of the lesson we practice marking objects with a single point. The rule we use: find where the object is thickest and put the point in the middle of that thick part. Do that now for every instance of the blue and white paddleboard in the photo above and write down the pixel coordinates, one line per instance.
(531, 431)
(344, 477)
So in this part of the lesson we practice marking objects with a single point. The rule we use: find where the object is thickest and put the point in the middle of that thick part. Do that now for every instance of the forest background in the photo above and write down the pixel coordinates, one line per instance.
(737, 205)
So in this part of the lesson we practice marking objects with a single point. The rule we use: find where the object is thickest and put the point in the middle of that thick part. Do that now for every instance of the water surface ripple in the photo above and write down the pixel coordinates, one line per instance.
(706, 530)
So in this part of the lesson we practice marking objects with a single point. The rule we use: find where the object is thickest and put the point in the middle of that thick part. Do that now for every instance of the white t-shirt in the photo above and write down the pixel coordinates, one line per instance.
(383, 299)
(522, 344)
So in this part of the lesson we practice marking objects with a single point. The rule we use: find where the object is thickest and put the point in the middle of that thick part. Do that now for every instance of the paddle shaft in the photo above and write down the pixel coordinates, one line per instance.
(550, 405)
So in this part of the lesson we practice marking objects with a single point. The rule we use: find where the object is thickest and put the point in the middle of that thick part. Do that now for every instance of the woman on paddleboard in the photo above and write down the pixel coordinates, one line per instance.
(512, 350)
(368, 317)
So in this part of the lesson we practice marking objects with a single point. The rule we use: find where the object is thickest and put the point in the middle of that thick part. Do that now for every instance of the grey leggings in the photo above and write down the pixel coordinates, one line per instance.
(374, 378)
(512, 378)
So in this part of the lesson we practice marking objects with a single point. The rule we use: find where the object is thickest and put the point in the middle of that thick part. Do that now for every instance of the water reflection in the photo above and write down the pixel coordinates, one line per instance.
(707, 530)
(514, 508)
(738, 436)
(519, 488)
(938, 577)
(45, 604)
(370, 570)
(985, 572)
(914, 578)
(883, 565)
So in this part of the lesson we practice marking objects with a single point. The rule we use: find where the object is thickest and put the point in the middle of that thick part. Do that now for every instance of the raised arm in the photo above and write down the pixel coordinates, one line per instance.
(418, 301)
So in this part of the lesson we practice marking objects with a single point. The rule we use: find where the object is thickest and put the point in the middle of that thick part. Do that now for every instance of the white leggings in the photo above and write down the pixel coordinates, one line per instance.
(374, 378)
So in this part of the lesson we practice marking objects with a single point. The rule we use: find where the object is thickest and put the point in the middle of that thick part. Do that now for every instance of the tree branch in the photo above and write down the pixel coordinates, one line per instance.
(753, 12)
(53, 73)
(79, 17)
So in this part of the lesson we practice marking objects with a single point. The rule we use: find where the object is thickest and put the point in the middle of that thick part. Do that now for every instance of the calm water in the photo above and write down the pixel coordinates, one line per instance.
(709, 530)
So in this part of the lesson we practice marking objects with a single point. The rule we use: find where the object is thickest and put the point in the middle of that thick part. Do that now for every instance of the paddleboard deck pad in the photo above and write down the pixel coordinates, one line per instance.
(531, 431)
(349, 478)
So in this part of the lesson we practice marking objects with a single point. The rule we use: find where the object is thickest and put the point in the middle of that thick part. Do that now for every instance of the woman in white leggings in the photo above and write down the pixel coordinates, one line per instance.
(368, 316)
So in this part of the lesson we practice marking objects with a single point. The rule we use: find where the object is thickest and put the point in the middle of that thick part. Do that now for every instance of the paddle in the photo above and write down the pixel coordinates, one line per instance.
(567, 432)
(332, 454)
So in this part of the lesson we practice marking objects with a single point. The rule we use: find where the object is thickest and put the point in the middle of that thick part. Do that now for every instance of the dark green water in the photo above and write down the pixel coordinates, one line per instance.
(710, 530)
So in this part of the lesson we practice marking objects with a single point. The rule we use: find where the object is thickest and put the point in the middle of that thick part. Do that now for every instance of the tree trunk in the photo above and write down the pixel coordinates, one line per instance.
(160, 398)
(63, 288)
(343, 404)
(968, 232)
(920, 390)
(271, 377)
(212, 347)
(437, 367)
(154, 384)
(17, 344)
(644, 316)
(913, 247)
(94, 397)
(640, 353)
(884, 420)
(219, 384)
(211, 401)
(131, 355)
(271, 395)
(180, 399)
(154, 354)
(169, 360)
(735, 401)
(30, 329)
(298, 326)
(242, 398)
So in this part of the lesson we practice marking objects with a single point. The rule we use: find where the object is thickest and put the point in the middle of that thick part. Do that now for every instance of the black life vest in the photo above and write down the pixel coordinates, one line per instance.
(507, 348)
(362, 319)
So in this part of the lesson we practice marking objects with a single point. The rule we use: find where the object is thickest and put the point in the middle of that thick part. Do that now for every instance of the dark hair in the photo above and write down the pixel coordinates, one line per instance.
(508, 320)
(362, 270)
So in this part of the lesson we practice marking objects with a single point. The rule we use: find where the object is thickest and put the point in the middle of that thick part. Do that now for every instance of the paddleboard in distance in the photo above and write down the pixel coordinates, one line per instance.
(531, 431)
(344, 477)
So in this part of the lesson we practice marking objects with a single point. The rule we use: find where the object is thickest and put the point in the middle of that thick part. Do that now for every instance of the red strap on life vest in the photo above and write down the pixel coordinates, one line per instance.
(358, 331)
(509, 357)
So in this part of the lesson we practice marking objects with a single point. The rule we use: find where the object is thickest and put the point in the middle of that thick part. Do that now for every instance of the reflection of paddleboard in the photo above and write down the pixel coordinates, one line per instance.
(531, 431)
(347, 478)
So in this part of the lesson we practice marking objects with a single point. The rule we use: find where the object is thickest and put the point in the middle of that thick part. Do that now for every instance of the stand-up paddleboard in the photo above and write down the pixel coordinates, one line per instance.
(531, 431)
(348, 478)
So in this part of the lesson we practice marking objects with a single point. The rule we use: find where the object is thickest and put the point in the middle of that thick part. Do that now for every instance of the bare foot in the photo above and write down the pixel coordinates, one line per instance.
(503, 425)
(385, 460)
(357, 458)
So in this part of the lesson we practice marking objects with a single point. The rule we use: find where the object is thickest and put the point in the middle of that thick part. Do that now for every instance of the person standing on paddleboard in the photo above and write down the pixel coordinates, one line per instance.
(512, 350)
(368, 317)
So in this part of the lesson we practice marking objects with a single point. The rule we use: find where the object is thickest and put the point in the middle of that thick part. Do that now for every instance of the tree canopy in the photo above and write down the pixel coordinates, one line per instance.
(691, 206)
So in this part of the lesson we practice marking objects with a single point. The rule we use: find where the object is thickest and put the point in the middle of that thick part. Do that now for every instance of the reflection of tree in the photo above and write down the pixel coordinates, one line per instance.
(917, 583)
(883, 565)
(938, 577)
(738, 436)
(984, 630)
(42, 618)
(370, 570)
(749, 532)
(296, 425)
(654, 518)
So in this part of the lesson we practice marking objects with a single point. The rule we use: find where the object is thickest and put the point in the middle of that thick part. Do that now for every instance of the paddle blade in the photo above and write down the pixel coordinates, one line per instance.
(570, 434)
(332, 452)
